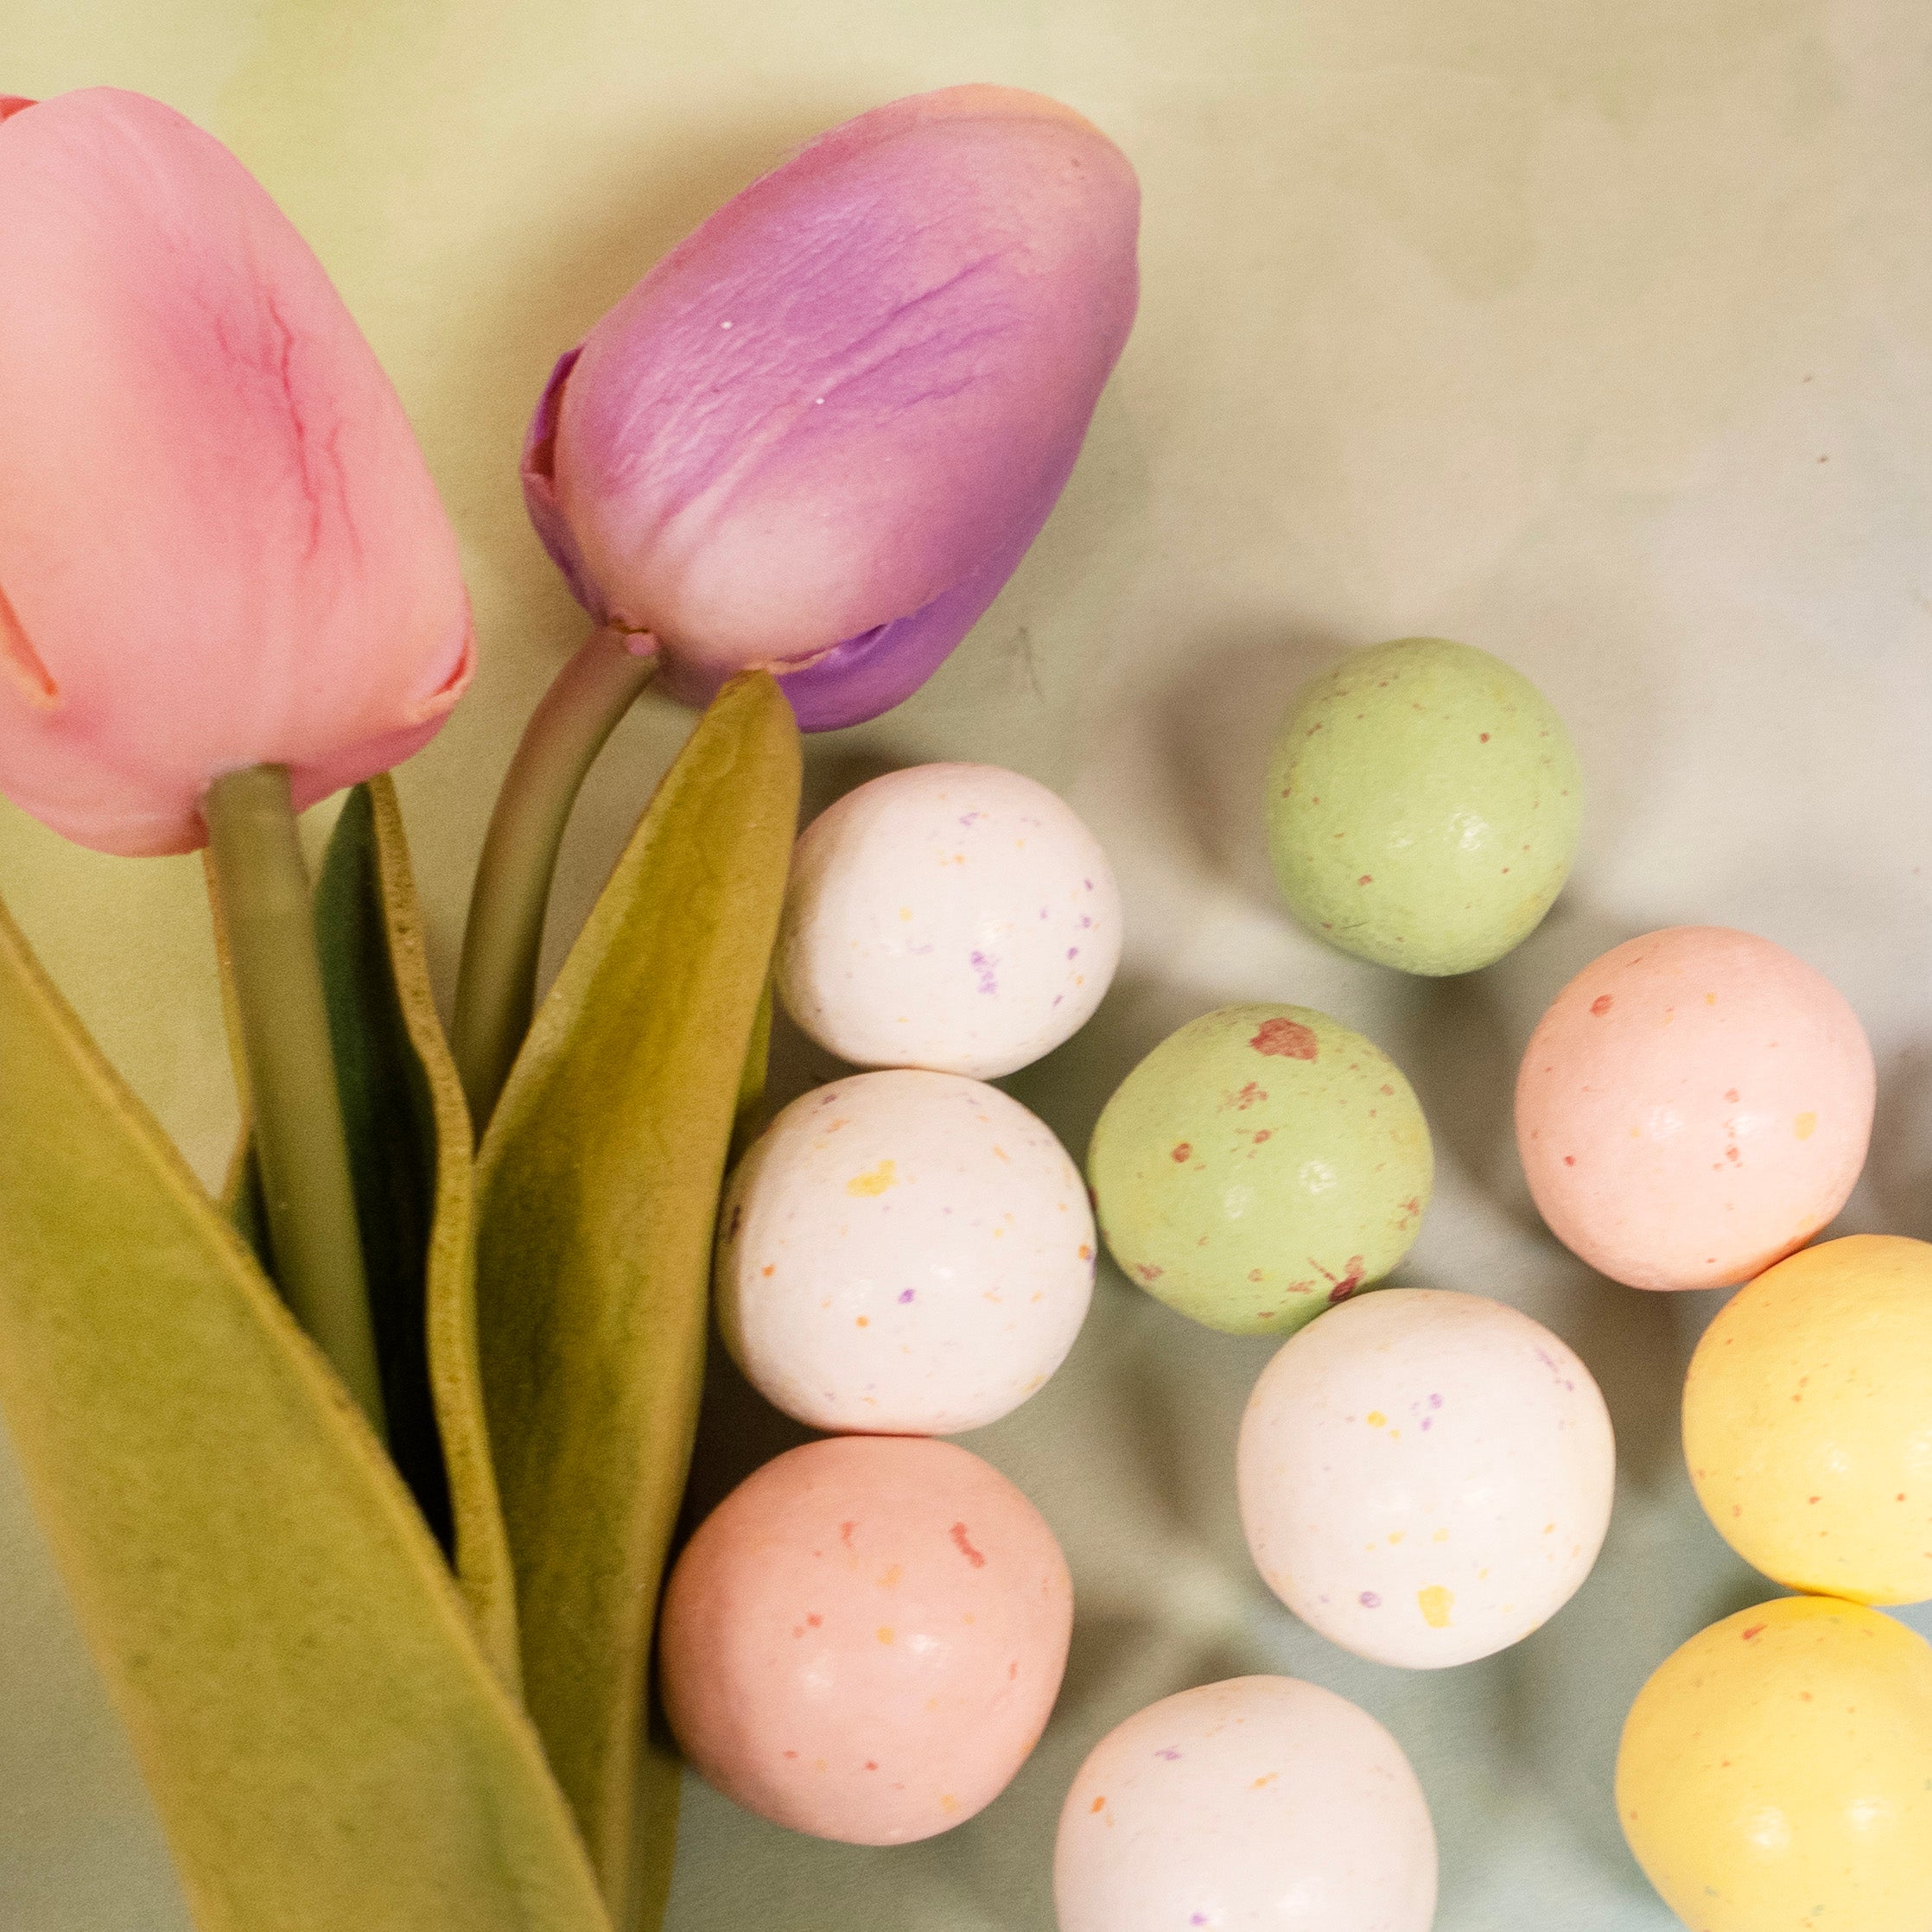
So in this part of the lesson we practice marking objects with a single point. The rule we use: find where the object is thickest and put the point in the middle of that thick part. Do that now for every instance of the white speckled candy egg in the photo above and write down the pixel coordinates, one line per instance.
(1262, 1803)
(954, 917)
(903, 1253)
(1425, 1478)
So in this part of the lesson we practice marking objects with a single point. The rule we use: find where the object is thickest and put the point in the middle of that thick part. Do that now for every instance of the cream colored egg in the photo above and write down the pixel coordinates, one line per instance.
(1261, 1802)
(1425, 1477)
(954, 917)
(903, 1253)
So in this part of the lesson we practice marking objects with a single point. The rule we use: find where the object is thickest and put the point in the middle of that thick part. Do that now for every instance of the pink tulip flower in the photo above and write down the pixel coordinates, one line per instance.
(821, 433)
(219, 546)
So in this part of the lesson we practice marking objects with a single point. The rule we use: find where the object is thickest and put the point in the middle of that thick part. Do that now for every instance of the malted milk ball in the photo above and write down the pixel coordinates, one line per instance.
(863, 1641)
(1259, 1165)
(1423, 806)
(1694, 1105)
(1425, 1477)
(954, 917)
(1261, 1802)
(903, 1253)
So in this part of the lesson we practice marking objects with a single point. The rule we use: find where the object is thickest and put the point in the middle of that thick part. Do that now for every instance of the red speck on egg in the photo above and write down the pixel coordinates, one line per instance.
(1287, 1039)
(1600, 1004)
(1184, 1152)
(963, 1544)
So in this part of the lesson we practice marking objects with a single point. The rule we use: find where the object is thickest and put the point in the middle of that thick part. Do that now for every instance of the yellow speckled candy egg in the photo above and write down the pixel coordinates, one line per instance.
(1808, 1419)
(1776, 1773)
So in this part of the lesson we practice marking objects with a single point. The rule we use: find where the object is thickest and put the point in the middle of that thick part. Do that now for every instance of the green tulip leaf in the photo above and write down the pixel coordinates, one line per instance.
(410, 1158)
(324, 1739)
(598, 1185)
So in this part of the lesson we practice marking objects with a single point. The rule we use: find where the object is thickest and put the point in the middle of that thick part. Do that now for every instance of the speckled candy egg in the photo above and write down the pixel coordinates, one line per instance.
(1424, 804)
(955, 917)
(1259, 1164)
(864, 1639)
(1694, 1105)
(1425, 1478)
(1260, 1802)
(907, 1253)
(1776, 1773)
(1808, 1419)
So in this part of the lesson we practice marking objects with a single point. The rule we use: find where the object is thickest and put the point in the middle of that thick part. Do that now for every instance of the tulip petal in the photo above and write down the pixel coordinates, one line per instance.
(215, 525)
(539, 481)
(821, 431)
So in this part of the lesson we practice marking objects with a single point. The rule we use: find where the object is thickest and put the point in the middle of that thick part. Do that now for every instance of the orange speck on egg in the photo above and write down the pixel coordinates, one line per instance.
(1099, 1804)
(885, 1634)
(1804, 1126)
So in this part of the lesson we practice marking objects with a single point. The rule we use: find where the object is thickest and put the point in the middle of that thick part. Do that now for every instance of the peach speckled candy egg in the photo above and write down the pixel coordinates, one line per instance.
(905, 1253)
(863, 1641)
(1694, 1105)
(956, 916)
(1425, 1478)
(1260, 1802)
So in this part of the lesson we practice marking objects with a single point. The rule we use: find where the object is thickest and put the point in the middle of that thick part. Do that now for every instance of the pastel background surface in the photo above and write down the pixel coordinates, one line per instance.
(1601, 338)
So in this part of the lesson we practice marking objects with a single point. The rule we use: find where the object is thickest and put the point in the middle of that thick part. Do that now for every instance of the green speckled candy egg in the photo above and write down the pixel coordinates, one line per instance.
(1423, 806)
(1259, 1164)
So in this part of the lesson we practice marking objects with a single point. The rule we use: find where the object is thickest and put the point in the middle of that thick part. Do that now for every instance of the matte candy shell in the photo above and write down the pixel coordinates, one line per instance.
(1808, 1419)
(1262, 1803)
(864, 1639)
(1424, 804)
(956, 916)
(903, 1253)
(1425, 1478)
(1776, 1773)
(1694, 1105)
(1259, 1164)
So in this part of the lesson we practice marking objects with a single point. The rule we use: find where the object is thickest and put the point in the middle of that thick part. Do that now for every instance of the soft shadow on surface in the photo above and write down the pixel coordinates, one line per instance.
(1219, 723)
(1899, 1170)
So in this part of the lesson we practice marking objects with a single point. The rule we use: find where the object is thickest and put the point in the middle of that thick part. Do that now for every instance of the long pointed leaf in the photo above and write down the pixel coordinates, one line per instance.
(324, 1740)
(410, 1157)
(598, 1185)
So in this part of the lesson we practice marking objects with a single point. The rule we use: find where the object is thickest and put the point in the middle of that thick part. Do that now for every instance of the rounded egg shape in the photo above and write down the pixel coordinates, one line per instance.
(1259, 1164)
(1424, 806)
(959, 917)
(1775, 1774)
(1260, 1801)
(864, 1640)
(903, 1253)
(1808, 1419)
(1694, 1105)
(1425, 1477)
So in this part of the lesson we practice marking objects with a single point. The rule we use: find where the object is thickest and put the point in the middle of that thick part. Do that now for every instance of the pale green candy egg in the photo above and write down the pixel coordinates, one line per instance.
(1424, 803)
(1259, 1164)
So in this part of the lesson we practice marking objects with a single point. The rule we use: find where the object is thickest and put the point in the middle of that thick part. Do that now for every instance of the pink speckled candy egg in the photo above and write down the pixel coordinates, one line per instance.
(903, 1253)
(1425, 1478)
(1261, 1802)
(1695, 1105)
(863, 1641)
(955, 917)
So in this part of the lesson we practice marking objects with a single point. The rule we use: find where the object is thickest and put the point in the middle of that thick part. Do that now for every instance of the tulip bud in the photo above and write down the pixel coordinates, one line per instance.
(821, 433)
(219, 546)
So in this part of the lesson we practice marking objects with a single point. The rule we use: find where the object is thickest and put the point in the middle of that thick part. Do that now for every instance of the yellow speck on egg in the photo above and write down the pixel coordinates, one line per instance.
(1804, 1126)
(881, 1177)
(948, 1801)
(1376, 1419)
(1396, 1536)
(1440, 1537)
(885, 1634)
(1434, 1604)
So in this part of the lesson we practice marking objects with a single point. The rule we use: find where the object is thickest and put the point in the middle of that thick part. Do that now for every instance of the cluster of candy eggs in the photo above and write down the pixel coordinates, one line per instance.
(865, 1639)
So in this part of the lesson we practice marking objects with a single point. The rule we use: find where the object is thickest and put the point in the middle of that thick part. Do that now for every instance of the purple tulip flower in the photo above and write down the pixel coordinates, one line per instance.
(820, 434)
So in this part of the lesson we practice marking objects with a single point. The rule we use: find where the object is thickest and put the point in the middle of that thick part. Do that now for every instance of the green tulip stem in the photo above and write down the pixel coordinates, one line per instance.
(265, 910)
(495, 984)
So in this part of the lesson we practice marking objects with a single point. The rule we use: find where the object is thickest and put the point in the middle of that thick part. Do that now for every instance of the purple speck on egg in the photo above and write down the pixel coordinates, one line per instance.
(982, 963)
(1170, 1754)
(1427, 1420)
(1073, 952)
(1435, 1402)
(1199, 1918)
(905, 1294)
(1369, 1600)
